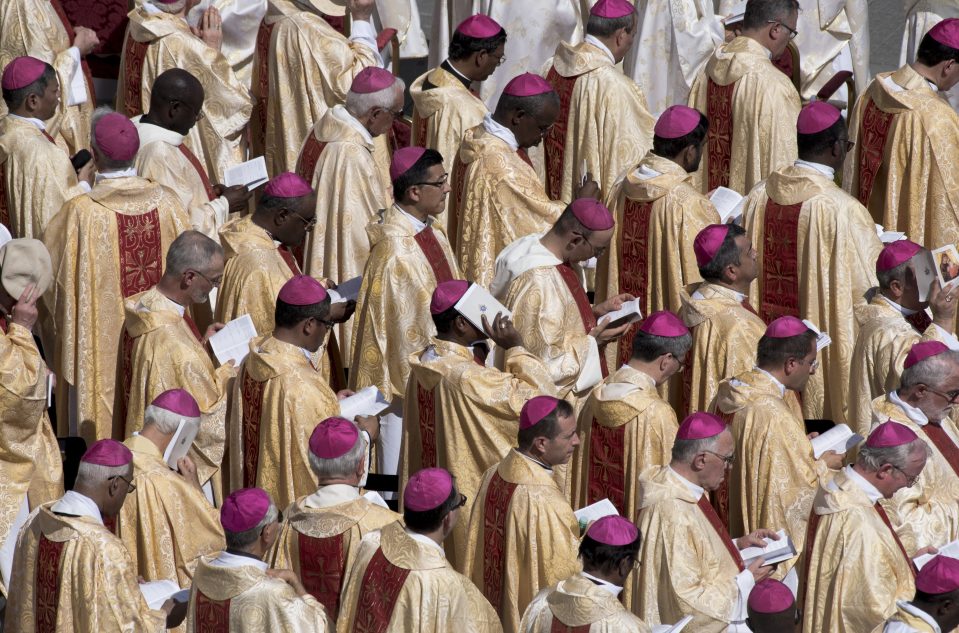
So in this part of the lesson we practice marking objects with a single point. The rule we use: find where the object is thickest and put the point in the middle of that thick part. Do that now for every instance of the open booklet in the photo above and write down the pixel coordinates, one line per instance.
(250, 174)
(822, 338)
(774, 551)
(366, 401)
(950, 549)
(349, 290)
(477, 302)
(233, 341)
(629, 313)
(179, 446)
(887, 237)
(839, 438)
(594, 512)
(159, 591)
(729, 204)
(673, 628)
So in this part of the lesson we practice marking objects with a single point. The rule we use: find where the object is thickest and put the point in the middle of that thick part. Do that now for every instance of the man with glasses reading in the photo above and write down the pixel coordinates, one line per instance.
(927, 513)
(164, 349)
(752, 106)
(807, 229)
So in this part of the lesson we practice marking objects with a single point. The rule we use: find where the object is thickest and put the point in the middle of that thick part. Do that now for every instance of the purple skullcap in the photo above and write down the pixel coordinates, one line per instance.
(664, 323)
(117, 137)
(699, 426)
(816, 117)
(372, 79)
(889, 434)
(708, 241)
(479, 27)
(921, 351)
(896, 253)
(109, 453)
(427, 489)
(527, 85)
(536, 409)
(177, 401)
(940, 575)
(403, 159)
(333, 437)
(288, 185)
(592, 214)
(785, 327)
(446, 295)
(302, 290)
(676, 121)
(771, 596)
(612, 9)
(244, 509)
(613, 530)
(946, 32)
(22, 72)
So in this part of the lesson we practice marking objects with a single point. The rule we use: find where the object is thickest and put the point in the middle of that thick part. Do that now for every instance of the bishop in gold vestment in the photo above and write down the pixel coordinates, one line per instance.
(106, 245)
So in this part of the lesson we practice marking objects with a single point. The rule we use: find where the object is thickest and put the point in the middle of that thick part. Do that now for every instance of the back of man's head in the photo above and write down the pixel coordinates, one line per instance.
(760, 13)
(15, 97)
(547, 427)
(191, 250)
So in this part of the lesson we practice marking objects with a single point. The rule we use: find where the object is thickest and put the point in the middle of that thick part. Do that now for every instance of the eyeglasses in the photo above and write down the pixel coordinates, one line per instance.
(439, 183)
(813, 364)
(198, 114)
(728, 460)
(461, 503)
(910, 481)
(328, 324)
(950, 396)
(597, 250)
(847, 143)
(499, 60)
(792, 32)
(130, 485)
(309, 223)
(681, 361)
(213, 282)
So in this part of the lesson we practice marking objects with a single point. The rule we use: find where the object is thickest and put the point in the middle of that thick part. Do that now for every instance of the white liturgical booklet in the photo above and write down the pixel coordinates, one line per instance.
(839, 438)
(925, 268)
(673, 628)
(252, 174)
(774, 551)
(822, 338)
(366, 401)
(347, 291)
(233, 341)
(179, 446)
(476, 302)
(949, 549)
(729, 204)
(595, 512)
(159, 591)
(629, 313)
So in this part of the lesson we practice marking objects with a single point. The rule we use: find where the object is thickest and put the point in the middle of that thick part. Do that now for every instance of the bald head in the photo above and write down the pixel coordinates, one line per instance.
(176, 100)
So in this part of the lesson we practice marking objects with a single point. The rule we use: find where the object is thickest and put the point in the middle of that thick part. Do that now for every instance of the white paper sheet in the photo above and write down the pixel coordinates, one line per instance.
(774, 551)
(728, 202)
(629, 313)
(252, 173)
(925, 269)
(233, 341)
(594, 512)
(822, 338)
(367, 401)
(179, 446)
(349, 290)
(949, 549)
(673, 628)
(478, 302)
(159, 591)
(839, 438)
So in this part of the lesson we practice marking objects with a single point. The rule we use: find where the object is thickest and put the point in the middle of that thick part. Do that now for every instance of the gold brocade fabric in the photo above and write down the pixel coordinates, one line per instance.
(884, 340)
(466, 421)
(217, 139)
(433, 598)
(350, 190)
(910, 620)
(311, 69)
(626, 402)
(502, 200)
(836, 250)
(32, 27)
(775, 476)
(916, 188)
(87, 299)
(856, 571)
(765, 106)
(255, 603)
(678, 213)
(166, 355)
(540, 538)
(446, 111)
(93, 590)
(685, 568)
(610, 126)
(392, 318)
(166, 524)
(37, 177)
(29, 454)
(926, 513)
(295, 398)
(725, 336)
(576, 602)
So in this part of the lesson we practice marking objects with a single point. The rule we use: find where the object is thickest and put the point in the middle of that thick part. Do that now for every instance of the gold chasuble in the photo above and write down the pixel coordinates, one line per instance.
(626, 427)
(578, 605)
(217, 139)
(41, 29)
(166, 523)
(688, 563)
(240, 598)
(726, 331)
(392, 318)
(278, 398)
(523, 536)
(603, 120)
(402, 582)
(163, 350)
(885, 337)
(658, 215)
(463, 416)
(321, 536)
(276, 10)
(752, 109)
(498, 199)
(908, 616)
(74, 575)
(311, 67)
(36, 177)
(816, 251)
(903, 167)
(775, 476)
(926, 513)
(350, 190)
(106, 246)
(856, 566)
(31, 472)
(444, 108)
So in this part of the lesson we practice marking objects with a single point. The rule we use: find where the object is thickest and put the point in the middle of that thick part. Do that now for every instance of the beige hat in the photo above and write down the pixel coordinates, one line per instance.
(24, 262)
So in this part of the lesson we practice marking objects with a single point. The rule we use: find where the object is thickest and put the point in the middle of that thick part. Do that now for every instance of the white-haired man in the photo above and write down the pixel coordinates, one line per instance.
(72, 573)
(228, 589)
(167, 523)
(334, 518)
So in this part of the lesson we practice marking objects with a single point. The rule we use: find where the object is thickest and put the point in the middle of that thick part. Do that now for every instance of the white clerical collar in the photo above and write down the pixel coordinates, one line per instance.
(871, 491)
(903, 310)
(589, 39)
(418, 225)
(645, 172)
(502, 133)
(122, 173)
(914, 414)
(697, 491)
(181, 310)
(449, 67)
(825, 170)
(36, 122)
(332, 495)
(75, 504)
(308, 354)
(782, 387)
(604, 584)
(740, 297)
(911, 609)
(341, 113)
(537, 462)
(151, 133)
(932, 86)
(226, 559)
(425, 540)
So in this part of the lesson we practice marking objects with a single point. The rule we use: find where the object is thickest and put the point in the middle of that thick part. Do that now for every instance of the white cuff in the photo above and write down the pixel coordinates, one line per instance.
(363, 32)
(77, 90)
(948, 338)
(366, 460)
(85, 186)
(590, 374)
(744, 585)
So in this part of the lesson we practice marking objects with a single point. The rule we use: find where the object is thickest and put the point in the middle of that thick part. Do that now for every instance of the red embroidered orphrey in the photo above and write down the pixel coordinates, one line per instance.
(382, 584)
(559, 627)
(499, 494)
(721, 531)
(261, 84)
(937, 435)
(719, 138)
(322, 562)
(457, 179)
(420, 130)
(141, 251)
(554, 143)
(575, 287)
(309, 156)
(873, 132)
(4, 206)
(47, 596)
(607, 465)
(885, 519)
(211, 616)
(252, 408)
(200, 170)
(134, 55)
(426, 402)
(634, 263)
(780, 270)
(426, 240)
